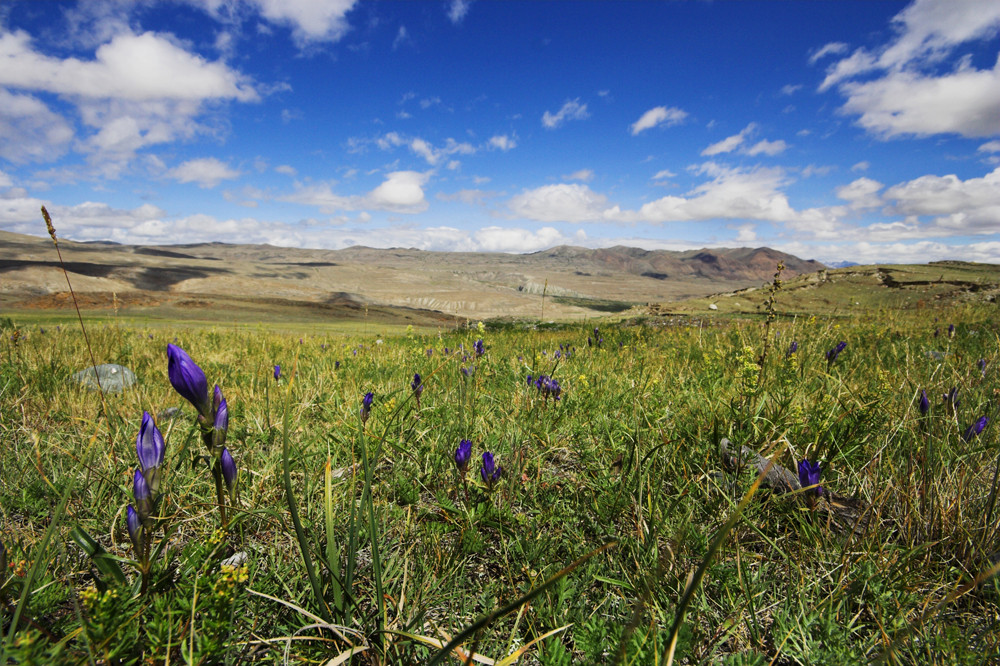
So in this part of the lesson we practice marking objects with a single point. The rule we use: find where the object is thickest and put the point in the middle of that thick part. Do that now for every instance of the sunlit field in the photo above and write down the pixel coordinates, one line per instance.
(591, 517)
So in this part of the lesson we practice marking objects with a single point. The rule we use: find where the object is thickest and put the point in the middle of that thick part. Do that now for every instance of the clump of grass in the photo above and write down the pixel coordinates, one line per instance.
(614, 533)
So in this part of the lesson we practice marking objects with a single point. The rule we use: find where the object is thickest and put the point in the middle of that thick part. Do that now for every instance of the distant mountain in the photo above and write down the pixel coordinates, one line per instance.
(843, 264)
(561, 282)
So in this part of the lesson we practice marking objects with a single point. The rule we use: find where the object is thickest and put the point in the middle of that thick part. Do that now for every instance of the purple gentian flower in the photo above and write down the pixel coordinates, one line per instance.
(479, 347)
(336, 365)
(490, 471)
(134, 525)
(832, 354)
(975, 428)
(809, 475)
(366, 406)
(417, 385)
(792, 348)
(220, 425)
(469, 371)
(150, 447)
(229, 470)
(462, 455)
(188, 379)
(277, 372)
(143, 498)
(951, 330)
(925, 404)
(951, 398)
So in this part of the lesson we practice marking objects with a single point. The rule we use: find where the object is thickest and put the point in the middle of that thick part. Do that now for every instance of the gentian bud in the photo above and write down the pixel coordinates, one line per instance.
(150, 447)
(134, 525)
(143, 498)
(951, 330)
(975, 428)
(188, 379)
(417, 385)
(277, 372)
(229, 470)
(792, 348)
(809, 475)
(366, 406)
(490, 472)
(925, 404)
(462, 455)
(832, 355)
(220, 426)
(479, 347)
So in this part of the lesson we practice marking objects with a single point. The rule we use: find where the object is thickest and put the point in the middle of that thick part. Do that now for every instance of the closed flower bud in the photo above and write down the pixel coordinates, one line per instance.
(229, 471)
(134, 525)
(188, 379)
(809, 476)
(143, 497)
(366, 406)
(150, 447)
(462, 455)
(490, 472)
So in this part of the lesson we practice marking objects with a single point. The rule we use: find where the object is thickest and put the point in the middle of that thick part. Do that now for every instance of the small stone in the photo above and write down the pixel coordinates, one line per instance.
(113, 378)
(713, 306)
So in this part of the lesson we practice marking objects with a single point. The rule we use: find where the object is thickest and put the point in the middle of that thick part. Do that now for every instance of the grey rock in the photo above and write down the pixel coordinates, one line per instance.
(113, 378)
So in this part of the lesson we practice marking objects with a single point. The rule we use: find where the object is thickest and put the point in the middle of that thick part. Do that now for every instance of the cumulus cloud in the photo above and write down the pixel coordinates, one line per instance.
(207, 172)
(571, 110)
(559, 203)
(832, 48)
(503, 142)
(311, 21)
(956, 206)
(765, 147)
(138, 90)
(400, 192)
(286, 169)
(659, 115)
(861, 193)
(907, 90)
(30, 131)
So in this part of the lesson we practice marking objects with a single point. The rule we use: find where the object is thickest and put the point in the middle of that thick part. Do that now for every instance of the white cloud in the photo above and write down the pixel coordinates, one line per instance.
(207, 172)
(729, 144)
(30, 131)
(311, 21)
(908, 90)
(402, 37)
(559, 203)
(137, 91)
(861, 193)
(766, 147)
(584, 175)
(957, 206)
(571, 110)
(468, 196)
(832, 48)
(400, 192)
(790, 89)
(746, 233)
(664, 174)
(286, 170)
(863, 165)
(965, 102)
(657, 116)
(457, 9)
(138, 68)
(503, 142)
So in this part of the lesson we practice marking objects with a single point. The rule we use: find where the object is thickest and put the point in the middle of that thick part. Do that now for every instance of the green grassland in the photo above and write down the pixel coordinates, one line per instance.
(615, 533)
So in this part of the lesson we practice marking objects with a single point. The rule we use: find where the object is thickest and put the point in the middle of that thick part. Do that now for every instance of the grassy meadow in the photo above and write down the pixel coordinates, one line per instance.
(613, 532)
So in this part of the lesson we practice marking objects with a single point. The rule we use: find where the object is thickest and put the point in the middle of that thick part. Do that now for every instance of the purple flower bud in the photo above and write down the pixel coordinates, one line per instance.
(143, 498)
(479, 347)
(134, 525)
(925, 404)
(809, 475)
(975, 428)
(417, 385)
(469, 371)
(277, 372)
(149, 444)
(490, 471)
(220, 425)
(188, 379)
(462, 455)
(229, 470)
(832, 354)
(951, 330)
(336, 365)
(792, 348)
(366, 406)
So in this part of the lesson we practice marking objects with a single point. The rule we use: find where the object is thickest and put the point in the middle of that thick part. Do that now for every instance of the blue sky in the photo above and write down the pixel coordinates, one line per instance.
(839, 131)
